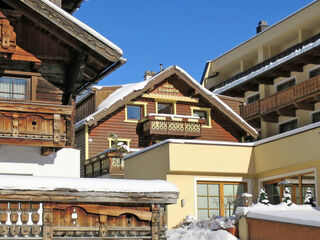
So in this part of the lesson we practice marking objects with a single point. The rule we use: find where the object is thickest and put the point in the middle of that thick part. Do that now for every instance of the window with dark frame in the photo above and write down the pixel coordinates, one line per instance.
(134, 112)
(253, 98)
(316, 117)
(287, 126)
(201, 114)
(165, 108)
(314, 72)
(13, 88)
(286, 84)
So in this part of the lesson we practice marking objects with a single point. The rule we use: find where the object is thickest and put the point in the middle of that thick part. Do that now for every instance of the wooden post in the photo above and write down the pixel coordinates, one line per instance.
(4, 229)
(15, 125)
(47, 221)
(56, 128)
(155, 224)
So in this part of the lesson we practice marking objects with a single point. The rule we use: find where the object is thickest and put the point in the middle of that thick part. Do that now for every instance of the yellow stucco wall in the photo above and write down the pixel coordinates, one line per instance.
(152, 164)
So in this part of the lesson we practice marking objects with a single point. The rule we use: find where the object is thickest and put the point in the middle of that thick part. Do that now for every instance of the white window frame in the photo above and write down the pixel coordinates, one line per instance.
(312, 69)
(311, 115)
(286, 121)
(298, 172)
(284, 81)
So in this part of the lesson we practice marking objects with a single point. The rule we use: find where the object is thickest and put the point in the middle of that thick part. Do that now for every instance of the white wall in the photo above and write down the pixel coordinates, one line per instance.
(28, 161)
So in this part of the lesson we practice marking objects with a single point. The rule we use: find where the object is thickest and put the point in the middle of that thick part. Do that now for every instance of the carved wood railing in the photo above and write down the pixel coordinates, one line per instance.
(75, 208)
(36, 124)
(171, 126)
(285, 97)
(108, 162)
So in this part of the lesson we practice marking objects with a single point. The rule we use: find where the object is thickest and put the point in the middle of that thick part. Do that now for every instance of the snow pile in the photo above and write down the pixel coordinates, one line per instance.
(295, 214)
(205, 229)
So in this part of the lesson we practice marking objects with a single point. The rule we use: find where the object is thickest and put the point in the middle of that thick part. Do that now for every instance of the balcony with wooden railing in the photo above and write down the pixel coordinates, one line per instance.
(36, 124)
(171, 125)
(109, 162)
(82, 208)
(284, 103)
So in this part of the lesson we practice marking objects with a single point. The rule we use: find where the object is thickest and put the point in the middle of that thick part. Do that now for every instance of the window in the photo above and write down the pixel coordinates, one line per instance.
(135, 111)
(13, 88)
(315, 117)
(203, 113)
(218, 199)
(287, 126)
(286, 84)
(124, 141)
(165, 108)
(253, 98)
(314, 72)
(297, 184)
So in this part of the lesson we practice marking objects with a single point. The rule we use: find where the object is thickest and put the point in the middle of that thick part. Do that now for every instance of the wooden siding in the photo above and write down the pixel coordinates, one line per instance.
(222, 128)
(234, 103)
(81, 145)
(85, 107)
(47, 92)
(103, 93)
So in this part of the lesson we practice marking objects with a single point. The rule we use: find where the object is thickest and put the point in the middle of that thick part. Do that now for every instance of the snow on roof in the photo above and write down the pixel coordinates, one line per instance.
(12, 182)
(271, 65)
(125, 90)
(83, 26)
(296, 214)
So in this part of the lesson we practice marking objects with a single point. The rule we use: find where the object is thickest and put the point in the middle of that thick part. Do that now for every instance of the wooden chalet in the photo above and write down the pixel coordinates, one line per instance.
(47, 58)
(170, 104)
(75, 208)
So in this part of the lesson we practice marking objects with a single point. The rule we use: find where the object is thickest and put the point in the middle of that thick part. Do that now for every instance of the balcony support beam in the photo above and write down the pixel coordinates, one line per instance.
(270, 118)
(304, 106)
(287, 112)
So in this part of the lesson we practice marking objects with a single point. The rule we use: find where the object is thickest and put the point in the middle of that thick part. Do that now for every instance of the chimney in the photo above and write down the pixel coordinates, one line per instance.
(262, 25)
(148, 75)
(56, 2)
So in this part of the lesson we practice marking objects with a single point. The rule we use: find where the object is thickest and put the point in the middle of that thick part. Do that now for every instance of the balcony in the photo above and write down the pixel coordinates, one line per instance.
(171, 125)
(36, 124)
(105, 163)
(80, 208)
(284, 103)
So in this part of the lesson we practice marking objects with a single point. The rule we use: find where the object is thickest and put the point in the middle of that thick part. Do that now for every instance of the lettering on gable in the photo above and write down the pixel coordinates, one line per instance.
(167, 88)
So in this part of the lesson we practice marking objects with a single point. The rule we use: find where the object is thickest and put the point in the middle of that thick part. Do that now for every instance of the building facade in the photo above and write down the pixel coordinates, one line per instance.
(170, 104)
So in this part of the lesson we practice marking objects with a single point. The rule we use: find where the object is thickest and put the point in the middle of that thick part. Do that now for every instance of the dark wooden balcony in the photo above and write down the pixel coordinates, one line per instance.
(107, 163)
(82, 208)
(284, 103)
(36, 124)
(171, 125)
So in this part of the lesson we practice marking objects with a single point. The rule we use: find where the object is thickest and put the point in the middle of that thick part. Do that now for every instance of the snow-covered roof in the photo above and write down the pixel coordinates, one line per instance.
(274, 64)
(83, 26)
(124, 92)
(12, 182)
(296, 214)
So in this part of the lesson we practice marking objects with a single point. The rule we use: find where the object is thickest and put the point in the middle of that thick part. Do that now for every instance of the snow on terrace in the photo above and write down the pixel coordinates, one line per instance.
(297, 52)
(295, 214)
(85, 184)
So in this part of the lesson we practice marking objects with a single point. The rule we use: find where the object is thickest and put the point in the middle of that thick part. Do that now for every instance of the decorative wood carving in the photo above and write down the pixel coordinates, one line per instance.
(7, 36)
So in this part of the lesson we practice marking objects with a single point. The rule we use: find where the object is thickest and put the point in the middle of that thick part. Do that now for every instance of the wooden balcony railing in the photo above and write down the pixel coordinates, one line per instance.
(283, 98)
(73, 208)
(171, 125)
(108, 162)
(36, 124)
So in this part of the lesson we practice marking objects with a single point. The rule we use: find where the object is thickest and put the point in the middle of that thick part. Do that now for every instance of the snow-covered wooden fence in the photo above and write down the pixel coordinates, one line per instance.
(71, 208)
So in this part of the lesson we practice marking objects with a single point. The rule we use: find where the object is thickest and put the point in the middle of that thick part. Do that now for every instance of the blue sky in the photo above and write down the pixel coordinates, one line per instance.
(187, 33)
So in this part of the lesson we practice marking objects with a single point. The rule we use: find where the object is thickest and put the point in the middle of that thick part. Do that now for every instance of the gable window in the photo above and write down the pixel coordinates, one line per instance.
(314, 72)
(13, 88)
(202, 113)
(287, 126)
(218, 198)
(165, 108)
(253, 98)
(315, 117)
(135, 111)
(286, 84)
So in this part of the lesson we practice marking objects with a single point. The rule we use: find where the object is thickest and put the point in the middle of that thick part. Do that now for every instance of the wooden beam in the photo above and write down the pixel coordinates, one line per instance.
(280, 73)
(294, 67)
(270, 118)
(250, 87)
(304, 105)
(286, 112)
(312, 59)
(267, 80)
